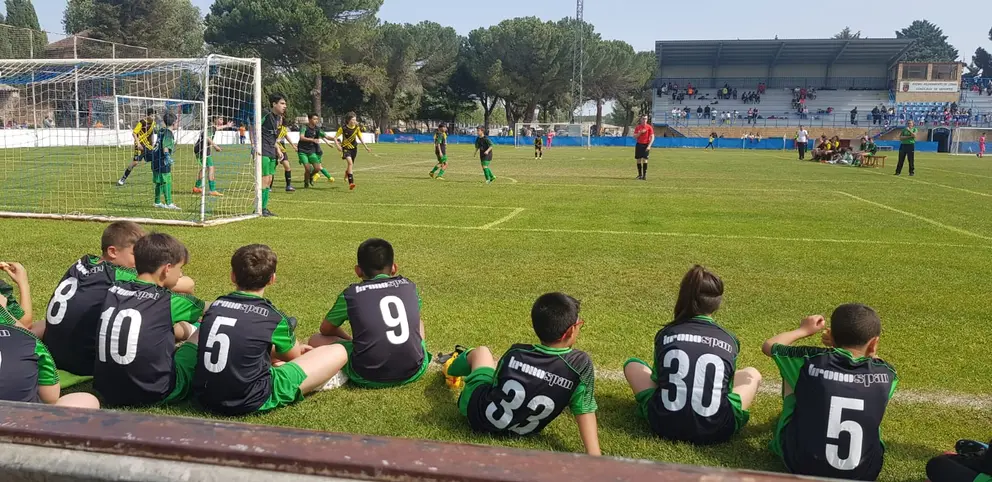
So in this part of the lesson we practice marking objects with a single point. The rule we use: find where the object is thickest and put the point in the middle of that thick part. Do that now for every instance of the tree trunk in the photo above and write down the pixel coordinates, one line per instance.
(599, 117)
(529, 112)
(315, 92)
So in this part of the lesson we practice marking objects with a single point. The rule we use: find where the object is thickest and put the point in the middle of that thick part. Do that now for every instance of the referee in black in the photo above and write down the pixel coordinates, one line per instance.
(907, 148)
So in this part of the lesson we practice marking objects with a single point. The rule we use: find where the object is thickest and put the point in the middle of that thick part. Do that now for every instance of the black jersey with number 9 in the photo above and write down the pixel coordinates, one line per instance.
(695, 361)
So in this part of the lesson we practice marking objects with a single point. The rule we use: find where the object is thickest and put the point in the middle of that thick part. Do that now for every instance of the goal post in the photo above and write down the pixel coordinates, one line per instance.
(563, 134)
(67, 138)
(964, 140)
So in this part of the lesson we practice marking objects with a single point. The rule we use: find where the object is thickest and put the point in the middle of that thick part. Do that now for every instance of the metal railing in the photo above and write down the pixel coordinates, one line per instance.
(821, 120)
(751, 83)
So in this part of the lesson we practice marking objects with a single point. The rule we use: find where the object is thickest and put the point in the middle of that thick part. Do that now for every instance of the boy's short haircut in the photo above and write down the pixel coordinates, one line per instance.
(552, 315)
(253, 266)
(312, 115)
(156, 250)
(349, 116)
(168, 118)
(150, 111)
(854, 325)
(375, 256)
(276, 97)
(120, 234)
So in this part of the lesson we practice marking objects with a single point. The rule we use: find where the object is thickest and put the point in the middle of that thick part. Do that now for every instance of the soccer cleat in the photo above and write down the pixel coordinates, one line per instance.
(445, 360)
(330, 179)
(121, 181)
(267, 214)
(197, 190)
(172, 207)
(159, 205)
(351, 187)
(290, 188)
(215, 194)
(337, 381)
(431, 174)
(439, 178)
(970, 447)
(314, 177)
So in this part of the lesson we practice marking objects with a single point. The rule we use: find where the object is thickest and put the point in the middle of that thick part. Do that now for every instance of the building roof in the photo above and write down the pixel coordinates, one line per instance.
(776, 52)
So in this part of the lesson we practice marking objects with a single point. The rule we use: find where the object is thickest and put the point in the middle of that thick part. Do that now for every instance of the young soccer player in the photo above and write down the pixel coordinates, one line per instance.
(241, 332)
(309, 151)
(211, 146)
(551, 136)
(21, 311)
(981, 146)
(29, 374)
(162, 163)
(350, 134)
(484, 147)
(271, 122)
(142, 135)
(241, 134)
(532, 384)
(834, 397)
(386, 346)
(141, 321)
(695, 392)
(712, 140)
(441, 151)
(538, 147)
(282, 142)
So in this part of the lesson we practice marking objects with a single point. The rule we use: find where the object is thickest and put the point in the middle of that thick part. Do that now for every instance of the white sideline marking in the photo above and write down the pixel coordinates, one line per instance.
(917, 216)
(514, 181)
(643, 233)
(503, 219)
(402, 205)
(386, 166)
(954, 172)
(912, 179)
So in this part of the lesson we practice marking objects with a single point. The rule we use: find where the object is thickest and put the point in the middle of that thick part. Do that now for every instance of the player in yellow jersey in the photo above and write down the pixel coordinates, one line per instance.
(351, 135)
(142, 135)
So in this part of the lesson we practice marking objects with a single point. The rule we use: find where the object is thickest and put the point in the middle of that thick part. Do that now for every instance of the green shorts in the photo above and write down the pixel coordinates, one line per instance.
(286, 381)
(183, 364)
(442, 159)
(483, 377)
(269, 165)
(358, 380)
(308, 158)
(161, 177)
(210, 161)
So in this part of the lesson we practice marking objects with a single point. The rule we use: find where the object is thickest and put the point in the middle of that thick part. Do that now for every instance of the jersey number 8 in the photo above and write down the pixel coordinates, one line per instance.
(399, 322)
(64, 293)
(131, 337)
(698, 383)
(516, 391)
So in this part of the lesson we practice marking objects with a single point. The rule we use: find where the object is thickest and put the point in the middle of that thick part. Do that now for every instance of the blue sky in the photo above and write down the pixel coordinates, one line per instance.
(641, 22)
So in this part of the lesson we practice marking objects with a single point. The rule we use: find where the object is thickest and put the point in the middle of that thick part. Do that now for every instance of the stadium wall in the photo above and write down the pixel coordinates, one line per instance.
(14, 138)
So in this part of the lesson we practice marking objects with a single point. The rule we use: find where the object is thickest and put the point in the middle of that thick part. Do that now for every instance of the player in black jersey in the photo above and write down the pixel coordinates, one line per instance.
(532, 384)
(234, 372)
(28, 373)
(21, 311)
(834, 398)
(695, 392)
(386, 346)
(137, 361)
(538, 147)
(73, 314)
(351, 136)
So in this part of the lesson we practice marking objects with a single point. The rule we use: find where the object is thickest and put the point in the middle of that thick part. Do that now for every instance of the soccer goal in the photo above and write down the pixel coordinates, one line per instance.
(70, 129)
(964, 140)
(562, 134)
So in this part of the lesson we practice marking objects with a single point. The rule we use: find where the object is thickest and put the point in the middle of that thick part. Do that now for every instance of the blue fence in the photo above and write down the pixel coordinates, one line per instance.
(661, 142)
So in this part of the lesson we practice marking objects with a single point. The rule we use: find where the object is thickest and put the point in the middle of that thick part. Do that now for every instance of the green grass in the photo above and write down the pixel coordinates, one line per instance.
(789, 238)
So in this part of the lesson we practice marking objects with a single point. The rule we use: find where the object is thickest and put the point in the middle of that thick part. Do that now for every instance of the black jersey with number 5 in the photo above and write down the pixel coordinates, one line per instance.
(533, 385)
(233, 363)
(384, 313)
(695, 361)
(73, 314)
(832, 426)
(135, 342)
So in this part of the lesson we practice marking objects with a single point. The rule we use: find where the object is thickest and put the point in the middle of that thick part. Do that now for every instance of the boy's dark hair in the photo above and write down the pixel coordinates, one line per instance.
(441, 126)
(349, 116)
(312, 115)
(156, 250)
(149, 112)
(375, 256)
(120, 234)
(700, 293)
(481, 128)
(253, 266)
(276, 97)
(168, 118)
(552, 315)
(854, 325)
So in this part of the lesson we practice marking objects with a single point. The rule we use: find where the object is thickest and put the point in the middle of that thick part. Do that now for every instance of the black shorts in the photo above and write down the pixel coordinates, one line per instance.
(142, 154)
(352, 153)
(641, 151)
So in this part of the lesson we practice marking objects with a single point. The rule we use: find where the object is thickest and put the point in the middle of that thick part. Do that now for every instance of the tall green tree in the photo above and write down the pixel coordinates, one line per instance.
(931, 44)
(78, 16)
(981, 62)
(612, 71)
(637, 99)
(168, 27)
(24, 44)
(5, 33)
(480, 72)
(847, 34)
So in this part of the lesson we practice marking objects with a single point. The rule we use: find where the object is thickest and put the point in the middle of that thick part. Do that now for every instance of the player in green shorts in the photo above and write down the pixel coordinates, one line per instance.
(533, 383)
(242, 331)
(386, 345)
(484, 147)
(271, 122)
(309, 152)
(162, 163)
(211, 147)
(441, 151)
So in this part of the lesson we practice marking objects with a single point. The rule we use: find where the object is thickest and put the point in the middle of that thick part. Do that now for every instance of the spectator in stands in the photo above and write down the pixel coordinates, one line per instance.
(854, 116)
(699, 112)
(706, 112)
(754, 116)
(48, 122)
(750, 115)
(875, 117)
(735, 93)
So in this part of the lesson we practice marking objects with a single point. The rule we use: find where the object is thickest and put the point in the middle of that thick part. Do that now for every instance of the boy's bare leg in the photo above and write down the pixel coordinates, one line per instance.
(320, 365)
(78, 400)
(638, 376)
(746, 383)
(481, 357)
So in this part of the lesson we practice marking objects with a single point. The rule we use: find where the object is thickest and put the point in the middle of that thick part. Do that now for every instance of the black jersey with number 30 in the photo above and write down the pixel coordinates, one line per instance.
(532, 386)
(135, 342)
(695, 361)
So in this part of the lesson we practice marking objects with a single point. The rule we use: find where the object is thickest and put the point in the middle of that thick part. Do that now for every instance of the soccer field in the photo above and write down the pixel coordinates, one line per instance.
(788, 238)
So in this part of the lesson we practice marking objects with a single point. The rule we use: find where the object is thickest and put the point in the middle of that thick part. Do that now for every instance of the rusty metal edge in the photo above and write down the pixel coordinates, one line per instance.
(324, 453)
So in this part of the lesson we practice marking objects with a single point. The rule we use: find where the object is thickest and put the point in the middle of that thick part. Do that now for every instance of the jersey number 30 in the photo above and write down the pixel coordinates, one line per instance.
(677, 379)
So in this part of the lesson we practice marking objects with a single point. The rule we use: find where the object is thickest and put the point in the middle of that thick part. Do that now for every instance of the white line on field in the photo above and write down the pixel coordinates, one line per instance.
(954, 172)
(514, 181)
(386, 166)
(502, 219)
(403, 205)
(969, 191)
(916, 216)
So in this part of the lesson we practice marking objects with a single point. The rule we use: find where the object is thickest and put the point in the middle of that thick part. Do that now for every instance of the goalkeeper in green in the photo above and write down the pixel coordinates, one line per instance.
(162, 163)
(441, 151)
(211, 146)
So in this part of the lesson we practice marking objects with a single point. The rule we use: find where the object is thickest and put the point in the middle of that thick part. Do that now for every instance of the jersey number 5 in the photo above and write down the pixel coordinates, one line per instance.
(400, 322)
(836, 425)
(698, 383)
(218, 344)
(516, 391)
(114, 329)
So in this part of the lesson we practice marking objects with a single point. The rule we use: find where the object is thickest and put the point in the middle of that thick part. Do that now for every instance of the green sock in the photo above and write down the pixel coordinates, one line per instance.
(158, 193)
(213, 185)
(440, 173)
(460, 367)
(489, 174)
(265, 198)
(199, 183)
(435, 169)
(168, 189)
(325, 173)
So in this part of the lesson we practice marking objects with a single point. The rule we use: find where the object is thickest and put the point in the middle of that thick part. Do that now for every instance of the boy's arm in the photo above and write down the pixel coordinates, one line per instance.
(49, 389)
(583, 402)
(186, 313)
(186, 285)
(362, 141)
(284, 343)
(20, 310)
(810, 326)
(331, 326)
(589, 432)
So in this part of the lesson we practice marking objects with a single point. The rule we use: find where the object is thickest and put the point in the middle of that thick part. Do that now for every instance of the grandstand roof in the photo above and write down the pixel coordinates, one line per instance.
(774, 52)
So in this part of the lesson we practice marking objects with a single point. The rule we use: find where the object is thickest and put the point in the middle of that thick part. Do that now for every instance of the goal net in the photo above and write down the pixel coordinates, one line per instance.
(964, 140)
(562, 134)
(70, 128)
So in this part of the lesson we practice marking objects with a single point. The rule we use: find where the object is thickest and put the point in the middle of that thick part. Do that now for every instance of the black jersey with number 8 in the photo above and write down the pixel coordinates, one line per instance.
(695, 361)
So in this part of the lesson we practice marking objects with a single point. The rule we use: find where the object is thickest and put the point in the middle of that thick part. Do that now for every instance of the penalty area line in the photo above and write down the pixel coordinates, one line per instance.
(916, 216)
(503, 219)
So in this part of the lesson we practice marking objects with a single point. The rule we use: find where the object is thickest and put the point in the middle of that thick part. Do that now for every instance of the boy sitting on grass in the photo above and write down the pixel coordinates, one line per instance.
(73, 315)
(834, 397)
(386, 346)
(137, 362)
(532, 384)
(242, 331)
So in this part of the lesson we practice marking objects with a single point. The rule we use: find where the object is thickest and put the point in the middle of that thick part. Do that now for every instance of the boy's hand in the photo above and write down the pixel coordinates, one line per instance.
(218, 149)
(16, 272)
(827, 339)
(3, 301)
(305, 348)
(813, 324)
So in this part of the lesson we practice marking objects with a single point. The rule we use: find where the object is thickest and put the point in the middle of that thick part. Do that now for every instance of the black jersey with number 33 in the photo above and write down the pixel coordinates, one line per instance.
(532, 386)
(694, 362)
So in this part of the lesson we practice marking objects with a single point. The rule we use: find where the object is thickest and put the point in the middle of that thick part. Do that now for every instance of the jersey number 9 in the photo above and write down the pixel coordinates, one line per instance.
(400, 322)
